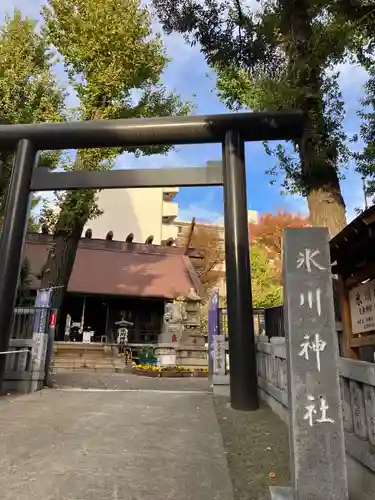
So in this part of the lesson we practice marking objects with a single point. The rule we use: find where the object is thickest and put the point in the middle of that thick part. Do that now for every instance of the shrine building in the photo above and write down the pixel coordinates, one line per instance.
(114, 279)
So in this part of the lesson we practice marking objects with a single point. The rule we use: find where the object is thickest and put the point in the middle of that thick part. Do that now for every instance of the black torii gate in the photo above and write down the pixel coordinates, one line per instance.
(232, 130)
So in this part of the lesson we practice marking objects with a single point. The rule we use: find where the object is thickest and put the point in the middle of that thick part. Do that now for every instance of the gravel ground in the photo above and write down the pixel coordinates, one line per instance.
(256, 446)
(95, 380)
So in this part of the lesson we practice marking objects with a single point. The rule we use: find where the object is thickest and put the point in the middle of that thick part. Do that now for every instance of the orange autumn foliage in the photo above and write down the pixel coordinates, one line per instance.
(208, 240)
(268, 233)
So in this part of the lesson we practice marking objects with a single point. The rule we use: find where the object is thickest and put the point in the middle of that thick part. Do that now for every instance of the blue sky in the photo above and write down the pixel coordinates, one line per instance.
(187, 75)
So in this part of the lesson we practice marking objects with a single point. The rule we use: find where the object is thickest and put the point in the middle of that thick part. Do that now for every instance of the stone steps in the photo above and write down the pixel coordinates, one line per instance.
(89, 370)
(83, 356)
(69, 366)
(68, 357)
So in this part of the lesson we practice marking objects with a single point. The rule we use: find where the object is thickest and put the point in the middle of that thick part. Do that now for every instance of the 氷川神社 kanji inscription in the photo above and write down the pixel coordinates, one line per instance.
(316, 430)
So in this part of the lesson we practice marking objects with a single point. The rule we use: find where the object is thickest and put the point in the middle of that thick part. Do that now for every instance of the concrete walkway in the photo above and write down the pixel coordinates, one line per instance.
(112, 445)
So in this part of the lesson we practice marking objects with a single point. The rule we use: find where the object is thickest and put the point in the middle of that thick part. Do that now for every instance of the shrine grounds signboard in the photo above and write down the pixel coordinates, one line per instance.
(362, 307)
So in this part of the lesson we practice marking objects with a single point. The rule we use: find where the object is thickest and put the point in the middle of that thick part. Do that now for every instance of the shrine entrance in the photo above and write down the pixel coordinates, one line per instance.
(231, 130)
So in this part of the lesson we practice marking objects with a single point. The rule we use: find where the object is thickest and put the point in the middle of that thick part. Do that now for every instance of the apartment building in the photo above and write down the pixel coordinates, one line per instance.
(252, 217)
(141, 211)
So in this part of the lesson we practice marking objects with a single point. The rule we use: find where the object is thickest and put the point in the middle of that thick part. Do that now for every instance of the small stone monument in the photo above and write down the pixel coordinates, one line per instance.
(171, 333)
(318, 461)
(172, 323)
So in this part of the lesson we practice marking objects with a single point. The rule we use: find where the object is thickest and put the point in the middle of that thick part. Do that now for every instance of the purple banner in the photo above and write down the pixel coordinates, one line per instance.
(42, 305)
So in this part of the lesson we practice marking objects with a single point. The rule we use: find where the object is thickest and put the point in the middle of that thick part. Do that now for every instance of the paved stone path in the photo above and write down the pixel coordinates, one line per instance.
(113, 445)
(123, 437)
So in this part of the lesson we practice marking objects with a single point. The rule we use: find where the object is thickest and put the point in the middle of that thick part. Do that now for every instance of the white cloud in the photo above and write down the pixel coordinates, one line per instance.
(202, 211)
(178, 157)
(219, 221)
(201, 214)
(352, 77)
(352, 190)
(30, 8)
(295, 204)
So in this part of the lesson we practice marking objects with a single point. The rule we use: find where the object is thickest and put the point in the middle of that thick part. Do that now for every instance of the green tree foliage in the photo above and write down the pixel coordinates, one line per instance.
(28, 94)
(364, 16)
(23, 293)
(34, 224)
(279, 54)
(24, 297)
(366, 158)
(28, 90)
(24, 280)
(360, 14)
(267, 291)
(114, 64)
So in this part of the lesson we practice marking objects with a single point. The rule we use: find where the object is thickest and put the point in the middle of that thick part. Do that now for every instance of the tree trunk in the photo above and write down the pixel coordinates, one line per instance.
(318, 153)
(60, 262)
(73, 216)
(327, 209)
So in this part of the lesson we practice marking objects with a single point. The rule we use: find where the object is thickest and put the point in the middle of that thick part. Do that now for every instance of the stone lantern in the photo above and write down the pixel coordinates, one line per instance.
(192, 333)
(191, 351)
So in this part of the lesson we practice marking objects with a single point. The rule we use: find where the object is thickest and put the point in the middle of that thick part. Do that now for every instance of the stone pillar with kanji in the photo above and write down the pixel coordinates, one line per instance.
(318, 460)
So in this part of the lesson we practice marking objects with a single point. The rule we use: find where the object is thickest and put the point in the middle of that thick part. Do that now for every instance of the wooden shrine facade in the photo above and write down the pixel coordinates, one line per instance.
(353, 261)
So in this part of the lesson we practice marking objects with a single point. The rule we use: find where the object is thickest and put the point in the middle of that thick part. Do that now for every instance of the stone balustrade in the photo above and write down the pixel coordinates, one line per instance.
(24, 366)
(357, 391)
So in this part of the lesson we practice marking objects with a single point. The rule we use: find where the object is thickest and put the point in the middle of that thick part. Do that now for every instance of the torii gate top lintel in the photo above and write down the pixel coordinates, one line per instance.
(171, 130)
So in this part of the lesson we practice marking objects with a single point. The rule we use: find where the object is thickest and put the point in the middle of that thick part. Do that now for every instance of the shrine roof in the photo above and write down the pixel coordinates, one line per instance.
(352, 248)
(119, 268)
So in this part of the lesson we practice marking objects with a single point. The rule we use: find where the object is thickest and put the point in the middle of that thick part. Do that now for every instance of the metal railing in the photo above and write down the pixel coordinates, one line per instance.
(25, 319)
(14, 352)
(259, 321)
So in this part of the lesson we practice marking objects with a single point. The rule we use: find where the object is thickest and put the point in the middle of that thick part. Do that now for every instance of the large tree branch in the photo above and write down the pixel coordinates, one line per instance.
(227, 35)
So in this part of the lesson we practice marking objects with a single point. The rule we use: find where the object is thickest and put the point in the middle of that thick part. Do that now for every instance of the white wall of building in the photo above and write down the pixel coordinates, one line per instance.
(168, 231)
(141, 211)
(252, 217)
